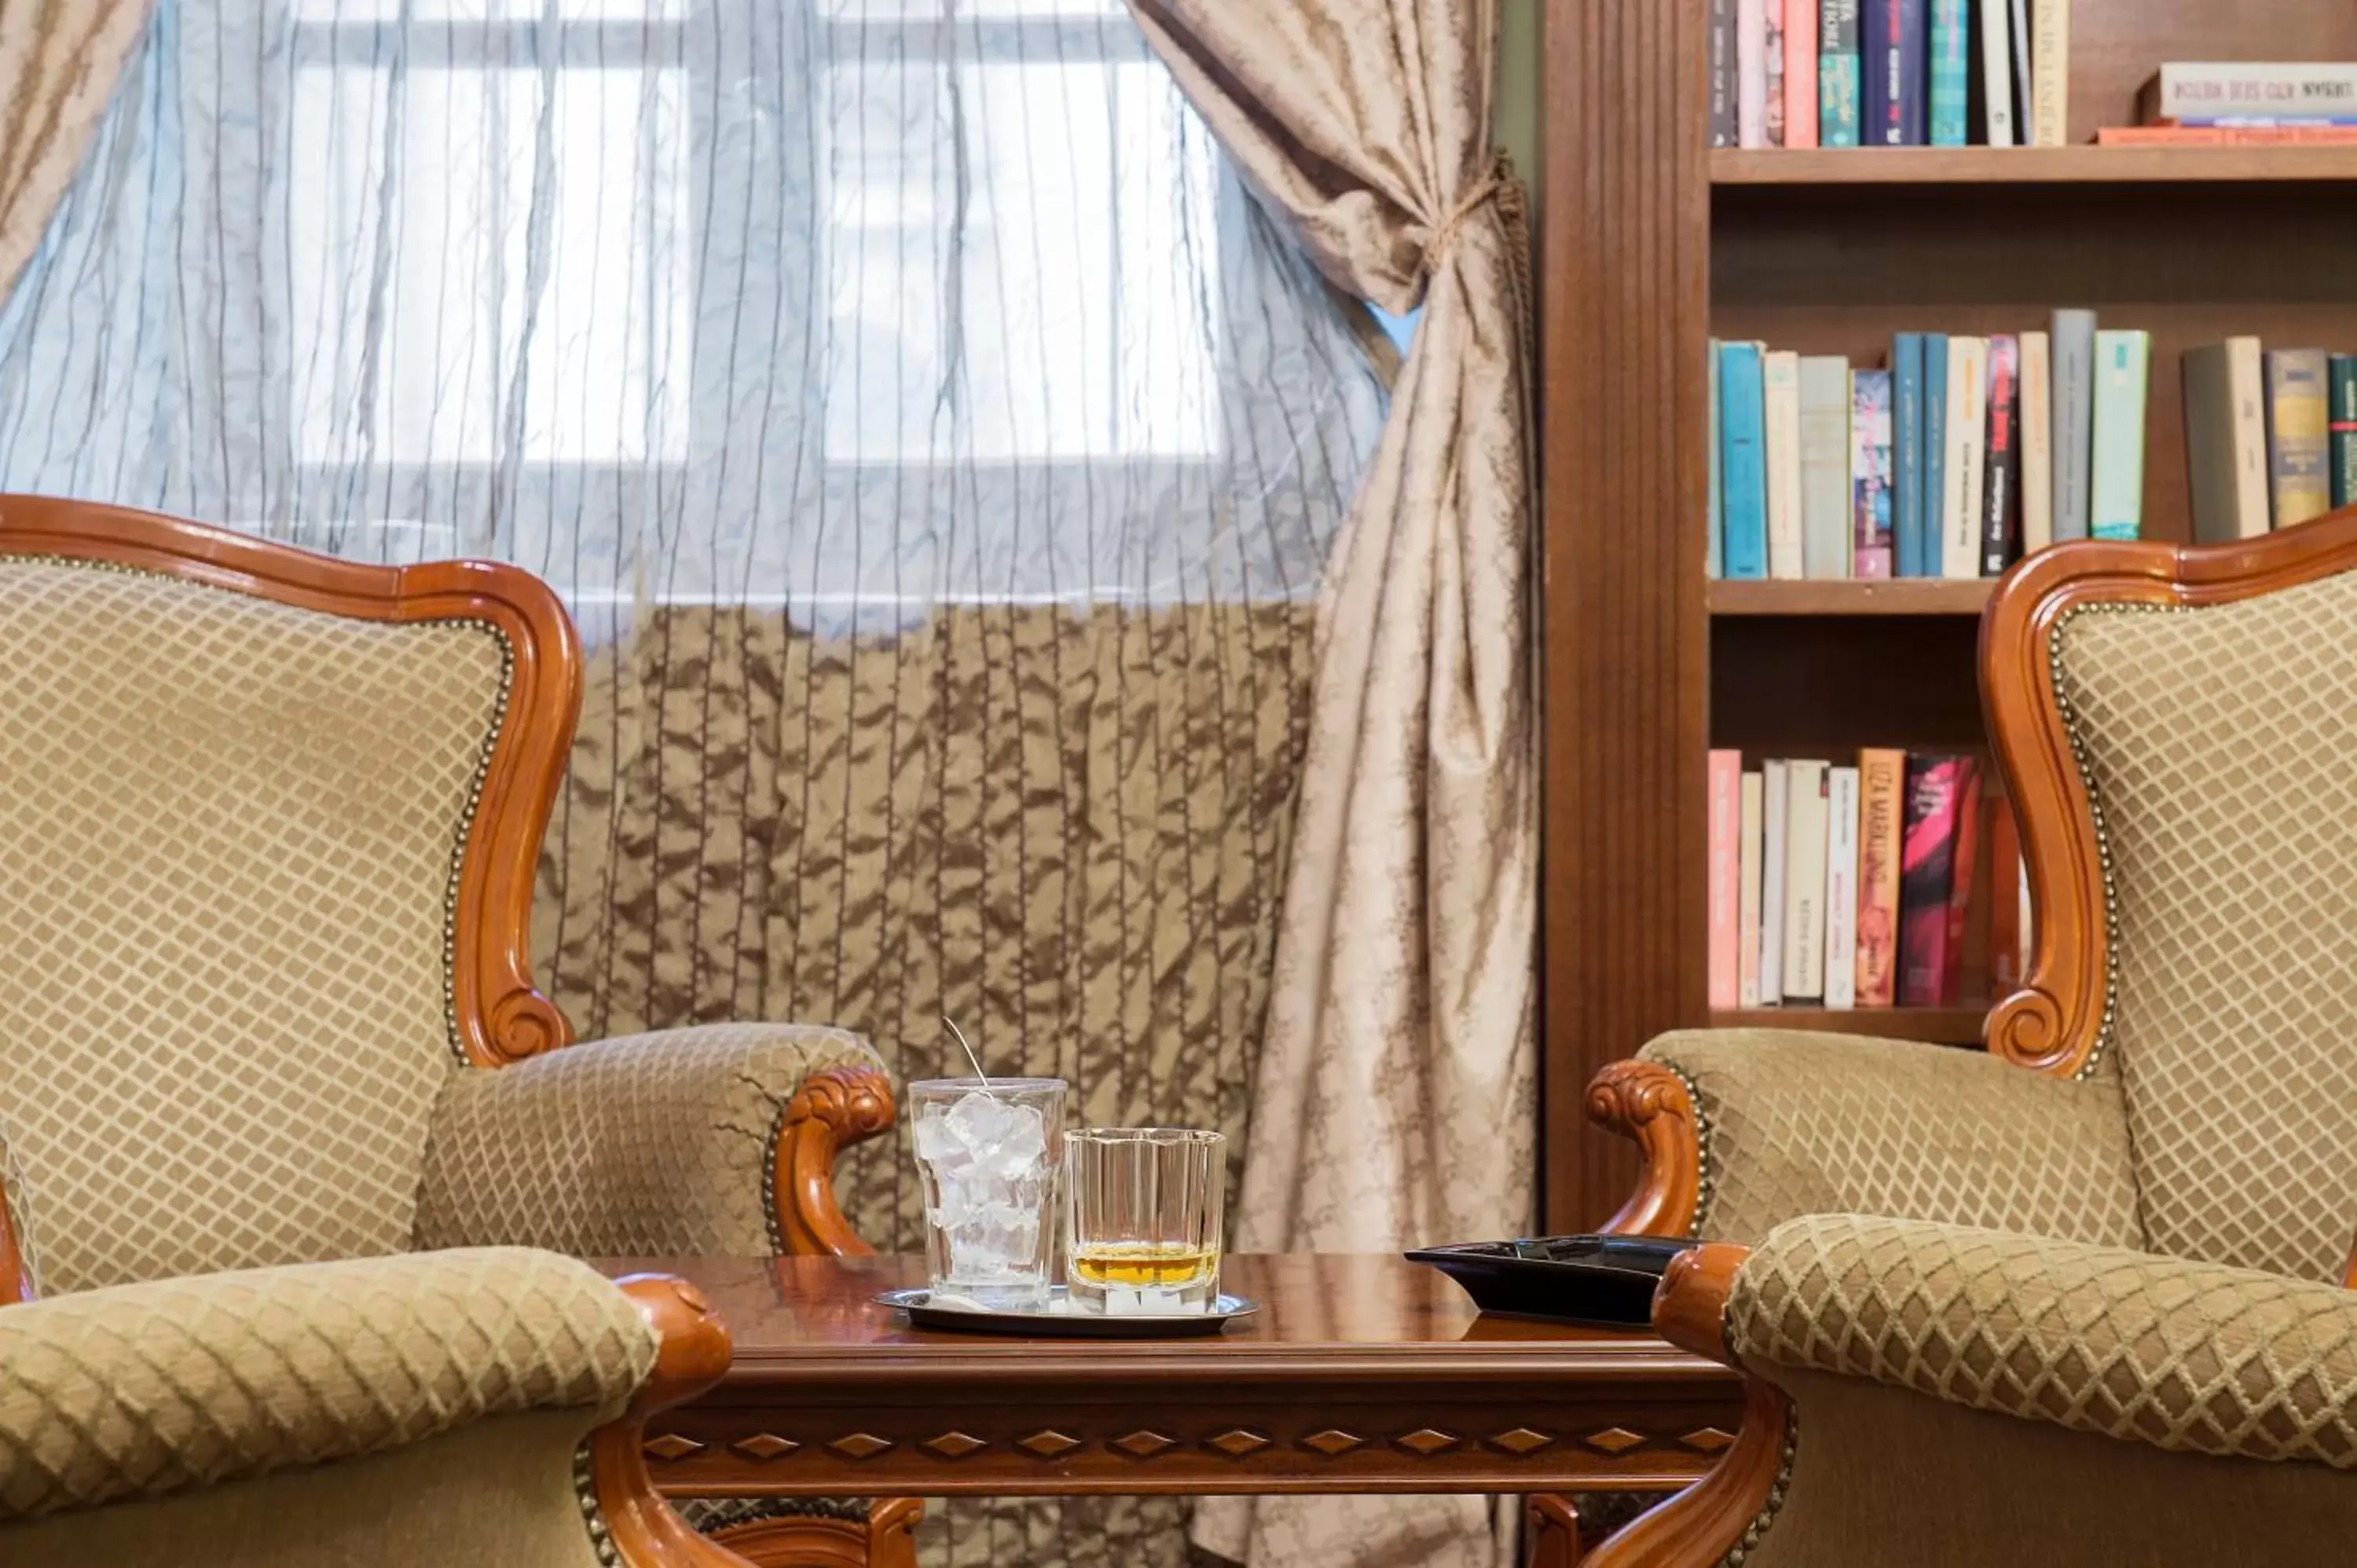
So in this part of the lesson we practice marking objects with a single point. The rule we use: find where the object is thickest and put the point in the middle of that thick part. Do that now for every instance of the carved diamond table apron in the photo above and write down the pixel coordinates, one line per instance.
(1360, 1374)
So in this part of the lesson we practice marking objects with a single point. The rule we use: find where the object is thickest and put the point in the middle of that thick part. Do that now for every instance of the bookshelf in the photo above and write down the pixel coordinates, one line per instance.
(1651, 244)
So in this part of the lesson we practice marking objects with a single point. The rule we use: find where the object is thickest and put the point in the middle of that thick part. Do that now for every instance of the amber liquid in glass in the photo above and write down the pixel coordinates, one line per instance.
(1143, 1264)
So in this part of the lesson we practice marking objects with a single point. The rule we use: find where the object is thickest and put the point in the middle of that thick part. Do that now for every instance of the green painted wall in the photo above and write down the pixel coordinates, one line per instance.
(1521, 69)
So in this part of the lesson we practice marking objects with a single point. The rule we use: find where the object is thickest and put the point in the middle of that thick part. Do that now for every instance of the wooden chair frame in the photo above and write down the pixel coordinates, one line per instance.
(2054, 1024)
(501, 1016)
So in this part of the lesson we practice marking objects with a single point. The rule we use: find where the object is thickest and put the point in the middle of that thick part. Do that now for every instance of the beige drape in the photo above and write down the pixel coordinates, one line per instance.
(58, 62)
(1395, 1090)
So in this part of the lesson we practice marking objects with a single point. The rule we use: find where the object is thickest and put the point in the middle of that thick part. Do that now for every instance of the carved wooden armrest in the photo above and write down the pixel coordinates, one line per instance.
(1648, 1103)
(835, 1107)
(693, 1355)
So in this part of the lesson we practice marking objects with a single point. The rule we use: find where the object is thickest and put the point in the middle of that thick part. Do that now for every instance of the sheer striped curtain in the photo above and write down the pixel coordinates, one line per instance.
(939, 448)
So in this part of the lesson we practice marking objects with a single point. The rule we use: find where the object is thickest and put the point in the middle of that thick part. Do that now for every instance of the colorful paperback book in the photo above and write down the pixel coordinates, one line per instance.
(1751, 73)
(1800, 74)
(1942, 794)
(1805, 881)
(2342, 426)
(1906, 453)
(1751, 804)
(2036, 443)
(1714, 504)
(2197, 89)
(2050, 72)
(2115, 498)
(1840, 73)
(1726, 878)
(1935, 453)
(1871, 478)
(1772, 12)
(1841, 887)
(1881, 813)
(2298, 479)
(1891, 48)
(1960, 545)
(1722, 73)
(1743, 451)
(2074, 420)
(2000, 498)
(1781, 384)
(1829, 530)
(1951, 70)
(1774, 808)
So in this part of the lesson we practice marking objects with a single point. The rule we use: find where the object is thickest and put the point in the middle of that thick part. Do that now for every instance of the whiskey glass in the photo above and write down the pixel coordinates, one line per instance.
(1143, 1219)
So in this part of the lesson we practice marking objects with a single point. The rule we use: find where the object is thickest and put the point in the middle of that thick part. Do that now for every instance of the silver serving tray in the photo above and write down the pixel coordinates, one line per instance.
(1060, 1322)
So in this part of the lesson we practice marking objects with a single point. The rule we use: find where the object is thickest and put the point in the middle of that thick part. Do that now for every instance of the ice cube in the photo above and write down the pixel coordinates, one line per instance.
(1006, 1138)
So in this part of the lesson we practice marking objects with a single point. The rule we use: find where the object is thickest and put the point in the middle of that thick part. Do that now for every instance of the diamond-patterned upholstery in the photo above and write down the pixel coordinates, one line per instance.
(2193, 1356)
(1794, 1123)
(230, 830)
(2217, 743)
(655, 1146)
(143, 1390)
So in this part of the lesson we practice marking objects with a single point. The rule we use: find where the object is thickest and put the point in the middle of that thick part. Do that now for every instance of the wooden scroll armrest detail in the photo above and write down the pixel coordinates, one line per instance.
(835, 1107)
(1726, 1508)
(1648, 1103)
(692, 1356)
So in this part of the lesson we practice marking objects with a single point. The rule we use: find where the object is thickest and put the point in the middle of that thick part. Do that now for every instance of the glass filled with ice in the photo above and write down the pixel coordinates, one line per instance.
(990, 1153)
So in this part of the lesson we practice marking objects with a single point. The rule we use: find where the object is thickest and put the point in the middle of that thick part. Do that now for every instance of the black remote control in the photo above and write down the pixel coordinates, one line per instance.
(1603, 1282)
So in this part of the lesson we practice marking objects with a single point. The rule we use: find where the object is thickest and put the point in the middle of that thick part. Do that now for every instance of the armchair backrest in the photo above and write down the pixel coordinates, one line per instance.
(2179, 728)
(266, 829)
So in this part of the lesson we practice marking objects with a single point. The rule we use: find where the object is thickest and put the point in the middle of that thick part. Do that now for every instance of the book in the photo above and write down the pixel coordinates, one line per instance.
(2017, 36)
(1743, 457)
(1882, 811)
(1929, 836)
(2188, 89)
(1751, 73)
(2074, 420)
(1726, 876)
(1772, 14)
(1839, 73)
(1935, 454)
(2341, 426)
(2115, 490)
(1749, 803)
(2299, 484)
(1841, 887)
(1966, 863)
(2000, 513)
(2036, 443)
(1774, 806)
(1996, 73)
(2008, 901)
(2227, 136)
(2226, 440)
(1869, 473)
(1950, 70)
(1713, 496)
(1892, 36)
(1800, 74)
(2259, 122)
(2050, 73)
(1826, 529)
(1723, 130)
(1805, 881)
(1967, 436)
(1907, 455)
(1780, 396)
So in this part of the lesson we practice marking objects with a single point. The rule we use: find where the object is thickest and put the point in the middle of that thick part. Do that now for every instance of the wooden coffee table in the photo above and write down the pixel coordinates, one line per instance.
(1360, 1374)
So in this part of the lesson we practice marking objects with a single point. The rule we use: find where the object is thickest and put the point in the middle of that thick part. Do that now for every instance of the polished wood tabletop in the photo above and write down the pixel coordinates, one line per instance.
(1359, 1374)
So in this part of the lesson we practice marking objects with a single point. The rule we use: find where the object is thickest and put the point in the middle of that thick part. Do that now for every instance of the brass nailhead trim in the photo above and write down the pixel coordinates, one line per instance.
(593, 1519)
(1758, 1528)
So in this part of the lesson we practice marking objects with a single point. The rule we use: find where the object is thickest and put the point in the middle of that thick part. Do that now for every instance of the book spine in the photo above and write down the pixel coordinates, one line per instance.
(2007, 901)
(2074, 420)
(1804, 882)
(1826, 524)
(1906, 453)
(2296, 434)
(1996, 74)
(1965, 859)
(2037, 489)
(2195, 90)
(1935, 453)
(1726, 876)
(1723, 129)
(2226, 440)
(1926, 876)
(1881, 123)
(1744, 458)
(1774, 808)
(1751, 73)
(2017, 35)
(2222, 136)
(1950, 70)
(2342, 427)
(1914, 99)
(1772, 11)
(1714, 499)
(1882, 811)
(2115, 500)
(1870, 463)
(1800, 73)
(1840, 73)
(1960, 548)
(2000, 514)
(1750, 847)
(1841, 887)
(1780, 379)
(2256, 122)
(2248, 386)
(2050, 72)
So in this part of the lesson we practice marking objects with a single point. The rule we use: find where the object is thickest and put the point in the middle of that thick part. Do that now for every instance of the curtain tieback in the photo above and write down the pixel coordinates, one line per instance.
(1497, 183)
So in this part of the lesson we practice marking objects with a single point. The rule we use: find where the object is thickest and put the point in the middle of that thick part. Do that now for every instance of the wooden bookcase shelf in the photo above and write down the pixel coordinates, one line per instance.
(1654, 243)
(1934, 1025)
(2035, 166)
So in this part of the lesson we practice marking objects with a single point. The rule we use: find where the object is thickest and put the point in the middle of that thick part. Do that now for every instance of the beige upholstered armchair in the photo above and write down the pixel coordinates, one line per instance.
(483, 1406)
(2079, 1298)
(268, 825)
